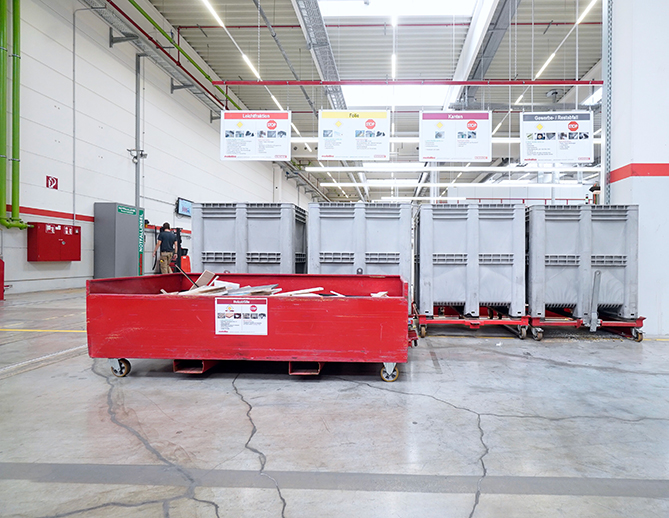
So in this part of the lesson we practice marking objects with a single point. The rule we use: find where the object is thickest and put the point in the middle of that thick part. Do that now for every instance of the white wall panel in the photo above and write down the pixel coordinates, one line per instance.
(182, 144)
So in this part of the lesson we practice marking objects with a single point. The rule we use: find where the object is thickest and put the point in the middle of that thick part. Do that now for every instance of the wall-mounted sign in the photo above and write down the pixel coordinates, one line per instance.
(344, 135)
(455, 137)
(255, 135)
(52, 182)
(556, 137)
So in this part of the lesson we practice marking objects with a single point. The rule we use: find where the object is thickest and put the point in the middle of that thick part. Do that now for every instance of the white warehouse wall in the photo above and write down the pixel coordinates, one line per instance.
(182, 144)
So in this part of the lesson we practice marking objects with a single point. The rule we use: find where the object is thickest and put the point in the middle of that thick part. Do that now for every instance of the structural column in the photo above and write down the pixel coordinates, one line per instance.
(640, 143)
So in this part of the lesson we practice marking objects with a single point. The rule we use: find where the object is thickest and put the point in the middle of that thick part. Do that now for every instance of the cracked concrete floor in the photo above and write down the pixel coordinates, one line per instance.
(478, 425)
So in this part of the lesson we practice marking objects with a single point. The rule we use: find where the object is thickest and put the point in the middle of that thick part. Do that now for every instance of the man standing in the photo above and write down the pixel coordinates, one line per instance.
(166, 242)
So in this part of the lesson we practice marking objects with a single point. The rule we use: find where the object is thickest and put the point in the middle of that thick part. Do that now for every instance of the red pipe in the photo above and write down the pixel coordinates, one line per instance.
(407, 82)
(364, 25)
(171, 58)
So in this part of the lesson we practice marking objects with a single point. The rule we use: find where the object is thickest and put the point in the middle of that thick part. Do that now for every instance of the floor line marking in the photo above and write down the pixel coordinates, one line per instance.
(44, 330)
(34, 363)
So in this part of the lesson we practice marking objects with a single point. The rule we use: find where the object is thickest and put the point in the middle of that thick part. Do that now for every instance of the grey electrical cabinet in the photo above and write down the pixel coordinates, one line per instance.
(249, 238)
(118, 240)
(583, 258)
(469, 256)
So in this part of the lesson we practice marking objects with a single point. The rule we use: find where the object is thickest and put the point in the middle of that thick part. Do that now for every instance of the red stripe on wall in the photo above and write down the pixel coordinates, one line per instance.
(51, 213)
(639, 170)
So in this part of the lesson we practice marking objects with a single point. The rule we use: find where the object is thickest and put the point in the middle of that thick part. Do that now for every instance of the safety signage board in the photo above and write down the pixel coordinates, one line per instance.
(346, 135)
(556, 137)
(240, 316)
(455, 136)
(255, 135)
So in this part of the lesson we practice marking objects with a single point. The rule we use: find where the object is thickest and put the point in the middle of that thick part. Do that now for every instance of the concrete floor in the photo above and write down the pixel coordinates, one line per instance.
(479, 424)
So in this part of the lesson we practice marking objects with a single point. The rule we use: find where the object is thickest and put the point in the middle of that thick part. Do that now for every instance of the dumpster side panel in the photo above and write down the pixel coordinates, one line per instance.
(346, 329)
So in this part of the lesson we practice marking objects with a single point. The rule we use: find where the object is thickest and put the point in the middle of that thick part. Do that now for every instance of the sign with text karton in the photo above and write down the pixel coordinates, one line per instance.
(455, 136)
(255, 135)
(556, 137)
(346, 135)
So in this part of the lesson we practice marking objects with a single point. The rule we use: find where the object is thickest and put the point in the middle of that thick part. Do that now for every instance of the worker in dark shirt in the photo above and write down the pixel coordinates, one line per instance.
(166, 242)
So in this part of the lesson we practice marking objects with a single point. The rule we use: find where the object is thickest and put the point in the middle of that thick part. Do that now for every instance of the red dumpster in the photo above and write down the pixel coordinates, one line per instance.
(130, 318)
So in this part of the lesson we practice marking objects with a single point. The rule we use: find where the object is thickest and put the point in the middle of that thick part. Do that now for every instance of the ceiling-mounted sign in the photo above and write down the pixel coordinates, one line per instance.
(255, 135)
(556, 137)
(455, 136)
(346, 135)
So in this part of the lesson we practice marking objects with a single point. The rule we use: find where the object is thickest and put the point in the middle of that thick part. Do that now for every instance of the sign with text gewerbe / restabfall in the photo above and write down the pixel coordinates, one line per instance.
(255, 135)
(455, 136)
(347, 135)
(556, 137)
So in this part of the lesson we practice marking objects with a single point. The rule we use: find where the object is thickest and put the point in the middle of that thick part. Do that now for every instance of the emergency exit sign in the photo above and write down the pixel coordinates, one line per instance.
(51, 182)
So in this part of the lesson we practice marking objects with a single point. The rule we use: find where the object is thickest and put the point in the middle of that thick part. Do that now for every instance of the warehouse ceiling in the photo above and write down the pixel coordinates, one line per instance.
(431, 39)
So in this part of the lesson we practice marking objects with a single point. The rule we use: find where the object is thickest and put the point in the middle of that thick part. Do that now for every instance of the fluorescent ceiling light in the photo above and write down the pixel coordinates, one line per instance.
(595, 98)
(393, 65)
(253, 69)
(587, 10)
(541, 70)
(393, 20)
(390, 8)
(277, 102)
(308, 147)
(519, 98)
(296, 130)
(394, 95)
(213, 12)
(598, 131)
(321, 164)
(497, 127)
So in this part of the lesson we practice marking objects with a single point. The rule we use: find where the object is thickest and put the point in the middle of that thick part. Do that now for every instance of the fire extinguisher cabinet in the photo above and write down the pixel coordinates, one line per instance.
(53, 242)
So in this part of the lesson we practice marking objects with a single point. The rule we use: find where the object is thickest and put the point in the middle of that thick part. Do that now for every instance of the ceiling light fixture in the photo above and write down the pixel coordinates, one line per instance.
(497, 128)
(598, 131)
(393, 64)
(253, 69)
(541, 70)
(587, 10)
(297, 131)
(309, 148)
(277, 102)
(520, 97)
(213, 13)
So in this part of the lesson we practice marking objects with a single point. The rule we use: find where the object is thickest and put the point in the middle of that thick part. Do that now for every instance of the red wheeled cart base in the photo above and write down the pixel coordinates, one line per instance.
(626, 328)
(489, 317)
(130, 318)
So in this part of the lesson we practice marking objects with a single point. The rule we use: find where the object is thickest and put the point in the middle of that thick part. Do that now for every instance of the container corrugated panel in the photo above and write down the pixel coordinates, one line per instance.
(471, 256)
(367, 238)
(249, 237)
(567, 245)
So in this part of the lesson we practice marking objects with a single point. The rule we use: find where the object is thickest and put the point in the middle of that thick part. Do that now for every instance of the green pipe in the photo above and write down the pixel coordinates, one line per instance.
(16, 110)
(174, 43)
(3, 112)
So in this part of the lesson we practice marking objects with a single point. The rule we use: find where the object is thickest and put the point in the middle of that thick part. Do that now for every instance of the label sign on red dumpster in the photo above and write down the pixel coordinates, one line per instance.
(240, 316)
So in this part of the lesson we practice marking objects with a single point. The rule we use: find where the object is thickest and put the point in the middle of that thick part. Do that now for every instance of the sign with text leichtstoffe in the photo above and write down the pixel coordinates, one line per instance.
(556, 137)
(348, 135)
(455, 136)
(247, 135)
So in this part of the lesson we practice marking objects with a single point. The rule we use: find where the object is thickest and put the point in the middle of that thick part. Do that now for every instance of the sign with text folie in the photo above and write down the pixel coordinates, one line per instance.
(455, 136)
(347, 135)
(556, 137)
(247, 135)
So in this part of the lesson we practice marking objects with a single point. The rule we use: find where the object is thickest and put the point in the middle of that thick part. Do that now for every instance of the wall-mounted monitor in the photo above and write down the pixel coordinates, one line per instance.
(184, 207)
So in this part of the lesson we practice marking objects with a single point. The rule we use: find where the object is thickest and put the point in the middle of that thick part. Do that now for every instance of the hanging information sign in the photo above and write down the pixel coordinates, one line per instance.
(556, 137)
(344, 135)
(255, 135)
(455, 137)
